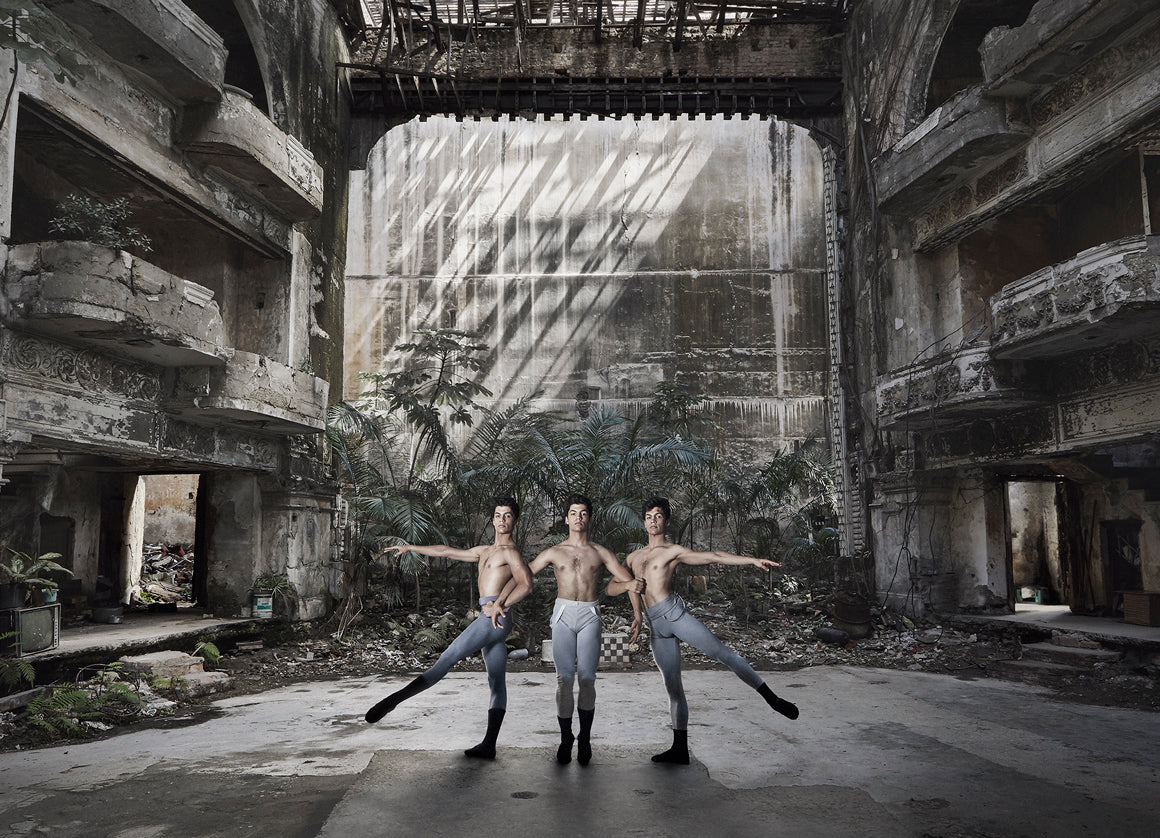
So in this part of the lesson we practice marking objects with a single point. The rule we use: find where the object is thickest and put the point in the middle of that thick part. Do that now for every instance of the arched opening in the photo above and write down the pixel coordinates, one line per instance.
(957, 65)
(601, 257)
(243, 69)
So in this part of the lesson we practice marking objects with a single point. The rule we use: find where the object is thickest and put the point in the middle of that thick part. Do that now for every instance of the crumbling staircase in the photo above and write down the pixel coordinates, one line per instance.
(185, 672)
(1065, 656)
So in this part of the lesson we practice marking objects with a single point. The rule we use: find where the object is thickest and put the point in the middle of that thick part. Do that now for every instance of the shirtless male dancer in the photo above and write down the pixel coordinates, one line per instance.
(504, 580)
(576, 626)
(653, 567)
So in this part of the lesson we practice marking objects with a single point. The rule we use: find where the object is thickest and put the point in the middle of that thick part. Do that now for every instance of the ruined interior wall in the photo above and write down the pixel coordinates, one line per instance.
(276, 278)
(1118, 500)
(170, 508)
(603, 256)
(930, 556)
(1034, 529)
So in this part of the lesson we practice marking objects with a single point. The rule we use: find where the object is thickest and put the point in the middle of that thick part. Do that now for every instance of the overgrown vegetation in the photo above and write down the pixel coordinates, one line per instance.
(102, 697)
(100, 222)
(420, 455)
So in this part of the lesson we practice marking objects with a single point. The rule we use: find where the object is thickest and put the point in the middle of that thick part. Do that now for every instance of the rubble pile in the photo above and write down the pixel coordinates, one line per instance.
(166, 575)
(782, 638)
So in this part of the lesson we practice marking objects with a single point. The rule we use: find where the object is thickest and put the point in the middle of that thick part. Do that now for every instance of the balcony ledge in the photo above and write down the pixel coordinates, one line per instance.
(1105, 295)
(256, 390)
(162, 39)
(236, 137)
(949, 388)
(110, 299)
(1058, 38)
(949, 145)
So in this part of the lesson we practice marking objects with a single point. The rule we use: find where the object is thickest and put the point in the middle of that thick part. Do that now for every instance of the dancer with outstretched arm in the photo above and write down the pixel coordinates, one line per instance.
(500, 563)
(653, 567)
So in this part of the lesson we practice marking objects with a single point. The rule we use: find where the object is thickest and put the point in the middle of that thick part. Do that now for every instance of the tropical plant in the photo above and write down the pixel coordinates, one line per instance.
(208, 652)
(780, 510)
(392, 449)
(23, 569)
(99, 699)
(100, 222)
(14, 672)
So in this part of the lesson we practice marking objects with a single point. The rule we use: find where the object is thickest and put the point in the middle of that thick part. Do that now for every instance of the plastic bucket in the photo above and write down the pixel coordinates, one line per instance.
(263, 604)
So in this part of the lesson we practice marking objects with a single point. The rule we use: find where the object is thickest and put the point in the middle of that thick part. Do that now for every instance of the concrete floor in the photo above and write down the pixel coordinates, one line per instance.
(875, 753)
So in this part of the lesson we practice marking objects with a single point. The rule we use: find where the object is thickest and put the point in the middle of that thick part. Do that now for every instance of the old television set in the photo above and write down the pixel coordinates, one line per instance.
(26, 631)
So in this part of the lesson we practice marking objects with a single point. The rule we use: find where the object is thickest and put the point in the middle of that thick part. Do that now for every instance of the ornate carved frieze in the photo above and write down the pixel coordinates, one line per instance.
(219, 445)
(1099, 75)
(992, 438)
(79, 368)
(1105, 294)
(969, 197)
(955, 384)
(1124, 364)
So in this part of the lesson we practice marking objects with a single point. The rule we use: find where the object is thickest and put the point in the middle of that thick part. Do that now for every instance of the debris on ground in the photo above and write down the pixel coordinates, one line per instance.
(166, 576)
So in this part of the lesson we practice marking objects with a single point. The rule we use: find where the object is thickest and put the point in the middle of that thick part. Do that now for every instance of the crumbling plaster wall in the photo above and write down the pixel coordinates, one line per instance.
(930, 554)
(170, 508)
(605, 255)
(244, 250)
(948, 528)
(1074, 189)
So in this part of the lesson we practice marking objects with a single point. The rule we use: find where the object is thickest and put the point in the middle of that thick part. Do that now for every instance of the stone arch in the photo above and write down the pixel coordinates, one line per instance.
(956, 65)
(247, 61)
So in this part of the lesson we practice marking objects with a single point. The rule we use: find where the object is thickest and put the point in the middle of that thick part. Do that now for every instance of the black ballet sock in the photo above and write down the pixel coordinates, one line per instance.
(583, 745)
(679, 753)
(564, 752)
(486, 748)
(782, 706)
(395, 699)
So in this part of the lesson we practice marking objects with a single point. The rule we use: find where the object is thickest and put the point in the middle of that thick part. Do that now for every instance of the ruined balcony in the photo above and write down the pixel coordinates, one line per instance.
(954, 386)
(162, 39)
(1106, 294)
(1058, 38)
(951, 143)
(110, 299)
(253, 389)
(234, 136)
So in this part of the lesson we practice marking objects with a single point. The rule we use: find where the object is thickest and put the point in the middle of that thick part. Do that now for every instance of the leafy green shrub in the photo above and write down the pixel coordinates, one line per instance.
(208, 652)
(100, 222)
(15, 672)
(94, 703)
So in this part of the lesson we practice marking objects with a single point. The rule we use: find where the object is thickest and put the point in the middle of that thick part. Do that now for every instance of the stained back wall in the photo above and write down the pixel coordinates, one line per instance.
(600, 257)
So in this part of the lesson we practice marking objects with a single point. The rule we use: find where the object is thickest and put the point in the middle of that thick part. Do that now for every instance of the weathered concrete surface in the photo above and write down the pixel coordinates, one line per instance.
(108, 299)
(239, 139)
(875, 752)
(599, 258)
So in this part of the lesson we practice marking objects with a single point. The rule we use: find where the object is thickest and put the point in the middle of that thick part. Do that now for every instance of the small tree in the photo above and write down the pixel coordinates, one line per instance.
(100, 222)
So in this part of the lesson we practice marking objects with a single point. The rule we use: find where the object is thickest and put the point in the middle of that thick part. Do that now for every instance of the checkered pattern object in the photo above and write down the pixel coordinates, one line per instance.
(614, 650)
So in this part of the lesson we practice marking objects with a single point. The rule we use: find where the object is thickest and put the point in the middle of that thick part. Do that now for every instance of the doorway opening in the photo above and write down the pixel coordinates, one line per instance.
(166, 567)
(1033, 544)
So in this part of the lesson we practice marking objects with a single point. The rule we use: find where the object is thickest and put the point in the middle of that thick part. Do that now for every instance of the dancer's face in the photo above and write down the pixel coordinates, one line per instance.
(503, 519)
(578, 517)
(655, 521)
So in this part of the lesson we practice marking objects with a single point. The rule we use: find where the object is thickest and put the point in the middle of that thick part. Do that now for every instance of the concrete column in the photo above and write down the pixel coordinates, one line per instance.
(233, 541)
(298, 530)
(8, 148)
(133, 536)
(298, 316)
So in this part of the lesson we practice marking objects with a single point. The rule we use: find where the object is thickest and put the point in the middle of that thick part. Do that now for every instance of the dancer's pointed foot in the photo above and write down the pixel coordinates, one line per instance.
(484, 750)
(381, 709)
(787, 709)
